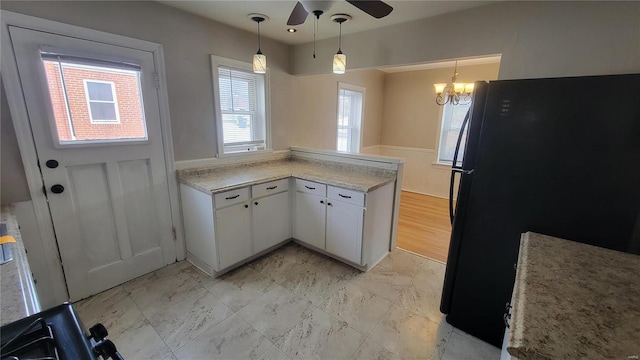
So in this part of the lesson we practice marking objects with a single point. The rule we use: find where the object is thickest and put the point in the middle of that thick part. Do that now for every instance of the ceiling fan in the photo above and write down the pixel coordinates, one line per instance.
(376, 8)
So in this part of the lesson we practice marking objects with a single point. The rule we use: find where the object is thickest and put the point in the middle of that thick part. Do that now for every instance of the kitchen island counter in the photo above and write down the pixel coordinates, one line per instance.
(574, 301)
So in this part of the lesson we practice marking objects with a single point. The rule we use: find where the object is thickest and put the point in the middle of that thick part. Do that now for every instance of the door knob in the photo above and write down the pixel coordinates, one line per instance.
(52, 164)
(57, 189)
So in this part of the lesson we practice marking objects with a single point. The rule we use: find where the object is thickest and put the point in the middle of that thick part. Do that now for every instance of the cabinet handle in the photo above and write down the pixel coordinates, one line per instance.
(272, 187)
(321, 201)
(329, 204)
(246, 206)
(345, 196)
(256, 203)
(232, 197)
(309, 187)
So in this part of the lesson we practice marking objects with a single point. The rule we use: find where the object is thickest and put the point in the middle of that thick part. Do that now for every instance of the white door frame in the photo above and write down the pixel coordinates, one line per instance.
(21, 123)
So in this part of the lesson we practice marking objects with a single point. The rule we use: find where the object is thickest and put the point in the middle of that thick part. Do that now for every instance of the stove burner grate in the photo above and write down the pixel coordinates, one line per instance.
(34, 342)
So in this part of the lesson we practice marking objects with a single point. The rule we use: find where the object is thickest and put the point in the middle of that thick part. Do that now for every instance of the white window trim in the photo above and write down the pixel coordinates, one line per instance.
(114, 102)
(345, 86)
(438, 162)
(217, 61)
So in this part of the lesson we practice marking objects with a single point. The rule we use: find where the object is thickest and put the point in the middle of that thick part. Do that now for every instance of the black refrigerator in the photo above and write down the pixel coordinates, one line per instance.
(555, 156)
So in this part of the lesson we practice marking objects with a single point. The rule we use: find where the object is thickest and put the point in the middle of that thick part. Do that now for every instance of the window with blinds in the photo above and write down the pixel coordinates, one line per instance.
(350, 109)
(241, 101)
(452, 118)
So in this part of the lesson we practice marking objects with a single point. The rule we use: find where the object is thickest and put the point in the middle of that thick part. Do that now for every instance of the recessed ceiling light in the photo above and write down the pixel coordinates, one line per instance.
(292, 30)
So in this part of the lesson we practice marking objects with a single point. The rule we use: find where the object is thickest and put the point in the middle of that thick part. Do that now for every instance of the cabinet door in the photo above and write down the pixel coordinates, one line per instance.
(310, 219)
(271, 221)
(233, 234)
(344, 230)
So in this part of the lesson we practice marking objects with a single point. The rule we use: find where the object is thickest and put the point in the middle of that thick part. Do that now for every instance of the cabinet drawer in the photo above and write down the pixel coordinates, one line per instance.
(311, 187)
(344, 195)
(231, 197)
(269, 188)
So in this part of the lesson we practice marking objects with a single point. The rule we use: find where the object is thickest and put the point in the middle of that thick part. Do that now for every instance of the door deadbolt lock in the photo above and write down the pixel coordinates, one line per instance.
(57, 189)
(52, 164)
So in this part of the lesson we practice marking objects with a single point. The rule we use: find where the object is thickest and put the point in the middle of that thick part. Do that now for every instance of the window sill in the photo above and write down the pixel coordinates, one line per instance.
(443, 166)
(241, 154)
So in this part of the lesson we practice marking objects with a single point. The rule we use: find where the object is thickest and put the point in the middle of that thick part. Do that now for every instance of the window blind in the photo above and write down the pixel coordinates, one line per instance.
(242, 104)
(452, 118)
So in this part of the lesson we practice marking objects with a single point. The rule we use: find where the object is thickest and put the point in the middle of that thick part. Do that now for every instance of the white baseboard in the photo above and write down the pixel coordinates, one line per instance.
(405, 148)
(425, 193)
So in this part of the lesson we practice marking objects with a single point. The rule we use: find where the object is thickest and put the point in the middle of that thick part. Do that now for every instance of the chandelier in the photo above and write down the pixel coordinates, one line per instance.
(453, 93)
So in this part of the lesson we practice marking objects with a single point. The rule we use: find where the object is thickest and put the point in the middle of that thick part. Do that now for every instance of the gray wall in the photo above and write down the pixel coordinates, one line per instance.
(13, 183)
(536, 39)
(188, 40)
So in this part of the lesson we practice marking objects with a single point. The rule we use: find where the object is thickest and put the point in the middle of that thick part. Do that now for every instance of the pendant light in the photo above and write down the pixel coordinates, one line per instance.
(259, 59)
(340, 59)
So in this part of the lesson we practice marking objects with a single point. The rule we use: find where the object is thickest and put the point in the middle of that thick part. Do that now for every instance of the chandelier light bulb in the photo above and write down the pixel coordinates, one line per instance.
(453, 92)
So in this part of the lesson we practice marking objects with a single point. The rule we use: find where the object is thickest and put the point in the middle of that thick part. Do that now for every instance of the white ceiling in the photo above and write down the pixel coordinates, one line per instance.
(234, 13)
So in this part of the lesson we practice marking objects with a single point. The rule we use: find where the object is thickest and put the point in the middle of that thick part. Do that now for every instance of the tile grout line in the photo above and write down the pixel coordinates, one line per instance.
(148, 321)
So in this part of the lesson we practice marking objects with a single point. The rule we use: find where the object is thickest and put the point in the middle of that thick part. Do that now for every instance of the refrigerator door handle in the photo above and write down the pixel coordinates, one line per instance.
(454, 167)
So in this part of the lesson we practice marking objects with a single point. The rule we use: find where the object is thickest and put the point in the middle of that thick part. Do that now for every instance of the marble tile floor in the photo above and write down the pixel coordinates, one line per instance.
(290, 304)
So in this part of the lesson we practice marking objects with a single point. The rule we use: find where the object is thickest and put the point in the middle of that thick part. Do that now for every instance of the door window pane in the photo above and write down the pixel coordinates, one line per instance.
(93, 101)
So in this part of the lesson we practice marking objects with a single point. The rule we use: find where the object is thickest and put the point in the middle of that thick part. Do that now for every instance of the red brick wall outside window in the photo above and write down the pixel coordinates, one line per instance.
(129, 107)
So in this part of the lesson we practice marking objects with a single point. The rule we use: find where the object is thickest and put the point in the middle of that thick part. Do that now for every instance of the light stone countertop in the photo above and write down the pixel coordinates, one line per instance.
(17, 291)
(574, 301)
(219, 179)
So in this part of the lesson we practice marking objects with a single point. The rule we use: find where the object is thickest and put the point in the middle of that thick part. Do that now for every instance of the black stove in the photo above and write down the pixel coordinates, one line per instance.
(55, 334)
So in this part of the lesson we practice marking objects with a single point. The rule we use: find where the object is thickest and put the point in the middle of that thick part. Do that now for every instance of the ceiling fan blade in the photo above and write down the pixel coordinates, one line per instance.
(376, 8)
(298, 15)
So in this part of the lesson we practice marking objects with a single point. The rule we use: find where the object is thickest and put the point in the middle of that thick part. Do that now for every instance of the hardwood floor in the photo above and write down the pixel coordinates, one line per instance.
(423, 225)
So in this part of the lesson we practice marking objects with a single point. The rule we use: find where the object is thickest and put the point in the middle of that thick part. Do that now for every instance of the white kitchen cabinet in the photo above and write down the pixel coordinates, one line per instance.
(230, 228)
(344, 230)
(310, 219)
(233, 234)
(271, 221)
(346, 224)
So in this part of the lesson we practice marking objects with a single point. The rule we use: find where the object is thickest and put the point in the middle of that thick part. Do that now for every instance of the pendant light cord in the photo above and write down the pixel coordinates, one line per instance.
(259, 52)
(340, 39)
(315, 28)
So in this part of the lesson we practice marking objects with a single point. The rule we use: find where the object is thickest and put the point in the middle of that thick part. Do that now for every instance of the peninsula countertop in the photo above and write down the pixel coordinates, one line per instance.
(229, 177)
(17, 291)
(574, 301)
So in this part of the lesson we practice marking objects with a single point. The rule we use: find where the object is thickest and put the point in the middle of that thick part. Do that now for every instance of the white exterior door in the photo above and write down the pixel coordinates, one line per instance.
(94, 113)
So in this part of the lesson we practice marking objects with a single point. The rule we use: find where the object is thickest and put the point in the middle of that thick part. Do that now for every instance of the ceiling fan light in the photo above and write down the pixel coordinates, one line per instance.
(259, 63)
(339, 63)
